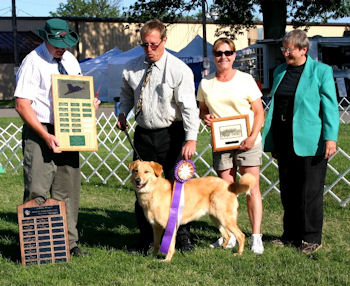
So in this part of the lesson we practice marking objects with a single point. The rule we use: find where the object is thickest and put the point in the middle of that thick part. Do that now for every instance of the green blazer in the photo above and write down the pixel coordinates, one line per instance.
(315, 114)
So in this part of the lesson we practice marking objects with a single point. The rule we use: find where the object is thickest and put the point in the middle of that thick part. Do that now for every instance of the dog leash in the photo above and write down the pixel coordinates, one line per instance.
(132, 145)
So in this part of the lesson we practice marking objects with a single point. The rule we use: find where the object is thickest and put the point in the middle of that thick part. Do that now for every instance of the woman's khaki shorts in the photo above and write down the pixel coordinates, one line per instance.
(228, 159)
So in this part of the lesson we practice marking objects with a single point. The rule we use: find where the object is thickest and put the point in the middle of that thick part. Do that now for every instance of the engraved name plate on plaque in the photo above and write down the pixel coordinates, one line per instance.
(43, 232)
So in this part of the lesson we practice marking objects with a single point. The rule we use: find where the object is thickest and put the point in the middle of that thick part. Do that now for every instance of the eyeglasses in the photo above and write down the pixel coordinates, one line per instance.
(287, 50)
(226, 53)
(152, 45)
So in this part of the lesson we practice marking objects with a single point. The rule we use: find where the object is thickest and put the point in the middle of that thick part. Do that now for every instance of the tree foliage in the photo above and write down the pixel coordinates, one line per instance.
(169, 11)
(88, 8)
(240, 14)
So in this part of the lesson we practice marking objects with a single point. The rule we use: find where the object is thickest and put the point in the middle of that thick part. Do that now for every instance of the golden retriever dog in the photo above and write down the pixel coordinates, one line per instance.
(207, 195)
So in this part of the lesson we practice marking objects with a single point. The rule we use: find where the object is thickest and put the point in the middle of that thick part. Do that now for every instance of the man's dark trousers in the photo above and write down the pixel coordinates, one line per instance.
(164, 147)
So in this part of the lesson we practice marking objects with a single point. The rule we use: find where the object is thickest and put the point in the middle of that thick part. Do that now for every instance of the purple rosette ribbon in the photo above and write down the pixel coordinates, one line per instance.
(184, 171)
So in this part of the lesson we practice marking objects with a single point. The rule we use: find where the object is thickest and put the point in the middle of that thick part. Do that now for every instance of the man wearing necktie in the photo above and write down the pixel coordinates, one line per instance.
(60, 66)
(160, 88)
(45, 169)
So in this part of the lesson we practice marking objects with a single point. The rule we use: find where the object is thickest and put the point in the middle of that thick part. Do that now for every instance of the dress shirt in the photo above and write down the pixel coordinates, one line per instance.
(169, 95)
(34, 79)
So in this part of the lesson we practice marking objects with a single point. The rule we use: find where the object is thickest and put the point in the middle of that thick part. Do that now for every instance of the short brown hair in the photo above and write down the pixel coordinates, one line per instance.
(298, 38)
(221, 41)
(151, 25)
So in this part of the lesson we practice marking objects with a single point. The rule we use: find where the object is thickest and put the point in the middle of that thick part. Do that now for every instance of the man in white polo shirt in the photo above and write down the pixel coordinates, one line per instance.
(45, 169)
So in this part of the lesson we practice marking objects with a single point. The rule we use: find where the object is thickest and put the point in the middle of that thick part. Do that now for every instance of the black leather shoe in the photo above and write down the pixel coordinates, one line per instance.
(76, 251)
(281, 242)
(309, 247)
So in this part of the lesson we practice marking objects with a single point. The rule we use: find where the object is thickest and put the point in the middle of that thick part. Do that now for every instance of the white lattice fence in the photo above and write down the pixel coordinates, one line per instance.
(344, 110)
(110, 163)
(11, 147)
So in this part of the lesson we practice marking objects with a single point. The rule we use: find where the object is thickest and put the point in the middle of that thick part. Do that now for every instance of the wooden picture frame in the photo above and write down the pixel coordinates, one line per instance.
(74, 112)
(228, 132)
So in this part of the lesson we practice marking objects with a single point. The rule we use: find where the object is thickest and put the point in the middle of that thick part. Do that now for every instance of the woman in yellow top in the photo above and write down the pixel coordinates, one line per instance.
(230, 92)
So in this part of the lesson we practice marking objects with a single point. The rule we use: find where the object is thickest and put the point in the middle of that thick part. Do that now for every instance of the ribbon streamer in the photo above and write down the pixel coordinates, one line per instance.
(174, 218)
(183, 172)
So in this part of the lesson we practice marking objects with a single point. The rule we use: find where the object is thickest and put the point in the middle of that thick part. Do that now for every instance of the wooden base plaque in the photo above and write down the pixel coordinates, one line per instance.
(43, 232)
(74, 112)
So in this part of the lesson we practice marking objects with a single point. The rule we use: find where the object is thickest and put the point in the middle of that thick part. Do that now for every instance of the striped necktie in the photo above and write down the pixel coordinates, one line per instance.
(61, 68)
(145, 81)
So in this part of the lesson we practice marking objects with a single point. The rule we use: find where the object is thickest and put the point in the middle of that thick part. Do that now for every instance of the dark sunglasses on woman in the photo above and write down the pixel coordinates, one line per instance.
(226, 53)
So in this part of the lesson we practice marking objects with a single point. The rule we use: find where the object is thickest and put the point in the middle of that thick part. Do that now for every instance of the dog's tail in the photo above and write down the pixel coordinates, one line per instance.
(246, 183)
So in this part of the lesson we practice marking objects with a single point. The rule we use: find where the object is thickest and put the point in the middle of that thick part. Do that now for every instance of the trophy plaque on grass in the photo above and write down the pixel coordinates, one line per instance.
(74, 112)
(43, 232)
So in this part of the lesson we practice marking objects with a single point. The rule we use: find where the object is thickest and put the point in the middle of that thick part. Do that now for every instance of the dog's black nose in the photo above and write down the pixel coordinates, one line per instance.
(138, 181)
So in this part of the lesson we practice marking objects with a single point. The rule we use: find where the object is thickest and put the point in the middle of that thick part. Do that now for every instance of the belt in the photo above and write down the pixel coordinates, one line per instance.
(176, 124)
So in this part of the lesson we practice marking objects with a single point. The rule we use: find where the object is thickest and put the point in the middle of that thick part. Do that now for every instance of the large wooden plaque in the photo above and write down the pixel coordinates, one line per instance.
(43, 232)
(74, 112)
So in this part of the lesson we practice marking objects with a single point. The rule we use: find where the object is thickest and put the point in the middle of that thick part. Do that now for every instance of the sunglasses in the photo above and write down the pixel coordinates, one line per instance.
(226, 53)
(151, 45)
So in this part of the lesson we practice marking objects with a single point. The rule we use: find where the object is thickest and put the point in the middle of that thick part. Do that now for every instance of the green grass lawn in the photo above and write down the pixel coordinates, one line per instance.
(107, 228)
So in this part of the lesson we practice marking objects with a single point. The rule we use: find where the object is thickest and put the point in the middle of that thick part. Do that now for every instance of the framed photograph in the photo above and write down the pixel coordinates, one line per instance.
(228, 132)
(74, 112)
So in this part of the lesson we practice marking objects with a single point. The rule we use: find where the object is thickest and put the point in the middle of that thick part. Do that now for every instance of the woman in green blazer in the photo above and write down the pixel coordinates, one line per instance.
(301, 131)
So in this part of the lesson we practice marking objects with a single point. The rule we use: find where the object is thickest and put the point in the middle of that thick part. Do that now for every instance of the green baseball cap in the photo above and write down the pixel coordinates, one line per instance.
(57, 33)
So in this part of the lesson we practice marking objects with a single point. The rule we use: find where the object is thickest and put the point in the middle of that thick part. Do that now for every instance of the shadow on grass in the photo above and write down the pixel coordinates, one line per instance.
(119, 230)
(269, 238)
(105, 228)
(10, 250)
(9, 239)
(113, 229)
(204, 233)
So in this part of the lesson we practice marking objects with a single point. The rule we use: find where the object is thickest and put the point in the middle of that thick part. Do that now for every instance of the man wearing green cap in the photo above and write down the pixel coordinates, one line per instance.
(45, 169)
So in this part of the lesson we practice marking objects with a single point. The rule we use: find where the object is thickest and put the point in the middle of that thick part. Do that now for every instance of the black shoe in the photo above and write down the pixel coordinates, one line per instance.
(286, 241)
(183, 243)
(309, 247)
(282, 242)
(76, 251)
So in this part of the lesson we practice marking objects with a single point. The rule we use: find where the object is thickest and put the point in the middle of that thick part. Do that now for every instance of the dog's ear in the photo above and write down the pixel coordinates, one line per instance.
(157, 168)
(132, 165)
